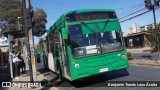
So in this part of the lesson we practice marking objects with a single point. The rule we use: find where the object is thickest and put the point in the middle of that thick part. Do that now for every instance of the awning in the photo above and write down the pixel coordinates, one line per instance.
(16, 34)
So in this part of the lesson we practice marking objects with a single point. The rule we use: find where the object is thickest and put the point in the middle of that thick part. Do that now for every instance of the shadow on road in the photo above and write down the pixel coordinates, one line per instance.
(94, 81)
(43, 70)
(97, 80)
(51, 81)
(147, 56)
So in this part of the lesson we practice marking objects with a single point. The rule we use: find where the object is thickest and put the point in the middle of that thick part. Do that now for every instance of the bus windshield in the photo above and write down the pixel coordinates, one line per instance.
(93, 43)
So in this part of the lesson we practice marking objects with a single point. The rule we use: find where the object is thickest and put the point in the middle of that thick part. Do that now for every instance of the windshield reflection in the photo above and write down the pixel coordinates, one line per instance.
(93, 43)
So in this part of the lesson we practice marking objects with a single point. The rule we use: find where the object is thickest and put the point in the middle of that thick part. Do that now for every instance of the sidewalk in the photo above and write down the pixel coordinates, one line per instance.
(143, 56)
(141, 50)
(145, 62)
(45, 78)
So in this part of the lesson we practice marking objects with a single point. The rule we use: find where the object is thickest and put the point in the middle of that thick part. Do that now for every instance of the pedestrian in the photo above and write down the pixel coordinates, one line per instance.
(22, 65)
(17, 63)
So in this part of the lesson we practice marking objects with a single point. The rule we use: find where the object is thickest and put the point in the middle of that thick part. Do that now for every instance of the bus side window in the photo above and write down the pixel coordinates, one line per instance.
(47, 43)
(51, 45)
(56, 41)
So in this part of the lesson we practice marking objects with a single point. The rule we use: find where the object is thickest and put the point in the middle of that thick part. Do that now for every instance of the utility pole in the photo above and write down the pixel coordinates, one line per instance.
(155, 24)
(30, 43)
(10, 38)
(150, 6)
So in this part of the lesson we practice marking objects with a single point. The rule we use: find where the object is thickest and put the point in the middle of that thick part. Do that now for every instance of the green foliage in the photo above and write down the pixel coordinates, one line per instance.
(40, 21)
(129, 56)
(11, 9)
(155, 37)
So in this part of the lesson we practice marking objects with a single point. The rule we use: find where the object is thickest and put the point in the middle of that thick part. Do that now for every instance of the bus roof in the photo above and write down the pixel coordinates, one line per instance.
(60, 22)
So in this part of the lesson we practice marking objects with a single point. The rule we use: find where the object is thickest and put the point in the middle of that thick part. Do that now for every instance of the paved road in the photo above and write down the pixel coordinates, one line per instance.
(99, 82)
(143, 54)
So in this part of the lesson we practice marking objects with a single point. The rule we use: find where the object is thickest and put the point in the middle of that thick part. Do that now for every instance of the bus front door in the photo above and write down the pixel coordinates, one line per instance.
(64, 59)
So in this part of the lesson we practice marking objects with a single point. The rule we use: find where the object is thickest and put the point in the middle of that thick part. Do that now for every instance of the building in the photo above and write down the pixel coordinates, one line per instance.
(135, 28)
(137, 36)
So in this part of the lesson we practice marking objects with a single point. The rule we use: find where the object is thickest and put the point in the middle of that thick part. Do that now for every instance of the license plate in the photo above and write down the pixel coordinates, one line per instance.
(103, 69)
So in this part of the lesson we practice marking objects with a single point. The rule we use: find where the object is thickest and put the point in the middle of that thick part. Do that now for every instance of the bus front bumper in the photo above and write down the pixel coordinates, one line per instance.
(83, 73)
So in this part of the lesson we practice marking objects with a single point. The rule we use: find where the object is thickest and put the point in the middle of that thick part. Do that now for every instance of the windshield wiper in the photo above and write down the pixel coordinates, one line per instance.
(87, 27)
(106, 22)
(96, 31)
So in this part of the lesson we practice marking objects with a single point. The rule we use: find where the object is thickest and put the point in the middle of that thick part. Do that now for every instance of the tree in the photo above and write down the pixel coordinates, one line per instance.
(39, 22)
(155, 36)
(11, 9)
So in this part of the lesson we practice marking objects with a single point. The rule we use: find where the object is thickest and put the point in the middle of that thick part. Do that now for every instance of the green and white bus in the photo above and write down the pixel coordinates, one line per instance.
(84, 43)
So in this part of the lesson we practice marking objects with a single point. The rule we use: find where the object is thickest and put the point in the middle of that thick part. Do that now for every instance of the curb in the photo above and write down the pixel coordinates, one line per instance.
(146, 63)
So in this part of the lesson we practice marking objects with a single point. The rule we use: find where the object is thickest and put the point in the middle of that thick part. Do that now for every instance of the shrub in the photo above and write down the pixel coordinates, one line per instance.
(129, 56)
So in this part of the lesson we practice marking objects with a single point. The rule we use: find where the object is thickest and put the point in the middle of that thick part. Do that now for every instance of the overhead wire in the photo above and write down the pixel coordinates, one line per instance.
(140, 10)
(137, 15)
(134, 16)
(124, 14)
(132, 7)
(130, 10)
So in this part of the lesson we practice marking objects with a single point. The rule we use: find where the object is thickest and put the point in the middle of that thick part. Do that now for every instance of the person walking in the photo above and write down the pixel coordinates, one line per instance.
(17, 63)
(22, 64)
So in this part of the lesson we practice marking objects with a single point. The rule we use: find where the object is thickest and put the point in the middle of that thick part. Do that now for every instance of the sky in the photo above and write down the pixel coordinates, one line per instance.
(55, 8)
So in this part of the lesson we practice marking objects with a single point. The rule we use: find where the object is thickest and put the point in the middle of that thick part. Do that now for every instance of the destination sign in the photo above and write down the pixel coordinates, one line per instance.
(90, 16)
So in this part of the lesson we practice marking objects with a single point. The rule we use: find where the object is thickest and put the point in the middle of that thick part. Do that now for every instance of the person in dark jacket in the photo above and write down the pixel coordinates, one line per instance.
(17, 63)
(22, 65)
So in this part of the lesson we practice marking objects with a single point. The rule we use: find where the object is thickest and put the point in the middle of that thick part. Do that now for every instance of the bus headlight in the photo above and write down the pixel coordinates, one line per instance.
(76, 65)
(124, 56)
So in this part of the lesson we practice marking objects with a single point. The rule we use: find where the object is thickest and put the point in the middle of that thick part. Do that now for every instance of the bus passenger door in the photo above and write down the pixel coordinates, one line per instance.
(64, 58)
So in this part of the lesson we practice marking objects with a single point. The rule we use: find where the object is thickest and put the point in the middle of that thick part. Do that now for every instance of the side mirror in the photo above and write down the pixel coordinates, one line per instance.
(64, 33)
